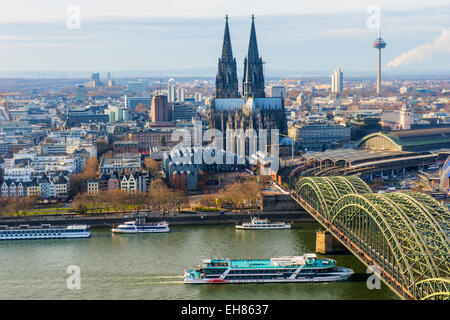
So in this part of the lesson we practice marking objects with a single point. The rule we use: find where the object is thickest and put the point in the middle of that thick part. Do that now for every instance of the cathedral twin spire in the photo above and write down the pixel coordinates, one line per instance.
(226, 80)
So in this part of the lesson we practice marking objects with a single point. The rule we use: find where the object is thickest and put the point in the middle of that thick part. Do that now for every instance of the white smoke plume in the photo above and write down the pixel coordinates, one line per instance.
(440, 44)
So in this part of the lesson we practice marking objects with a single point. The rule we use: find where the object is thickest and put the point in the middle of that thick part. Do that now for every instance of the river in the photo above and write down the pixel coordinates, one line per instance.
(151, 266)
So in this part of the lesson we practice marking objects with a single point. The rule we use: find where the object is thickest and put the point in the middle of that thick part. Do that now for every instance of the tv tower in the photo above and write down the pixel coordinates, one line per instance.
(379, 44)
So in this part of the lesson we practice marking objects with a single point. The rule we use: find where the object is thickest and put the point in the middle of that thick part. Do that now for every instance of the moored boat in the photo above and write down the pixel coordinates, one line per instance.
(306, 268)
(140, 226)
(44, 231)
(262, 224)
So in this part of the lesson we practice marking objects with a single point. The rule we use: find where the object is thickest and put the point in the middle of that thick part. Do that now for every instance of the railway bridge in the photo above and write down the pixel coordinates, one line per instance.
(404, 235)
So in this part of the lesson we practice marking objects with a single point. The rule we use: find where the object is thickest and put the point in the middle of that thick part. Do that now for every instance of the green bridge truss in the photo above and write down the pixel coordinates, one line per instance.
(405, 233)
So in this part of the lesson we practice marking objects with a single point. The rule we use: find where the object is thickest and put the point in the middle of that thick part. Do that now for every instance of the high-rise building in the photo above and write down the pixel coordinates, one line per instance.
(198, 97)
(337, 81)
(137, 87)
(80, 93)
(133, 102)
(181, 111)
(95, 80)
(172, 92)
(277, 91)
(117, 113)
(160, 109)
(181, 94)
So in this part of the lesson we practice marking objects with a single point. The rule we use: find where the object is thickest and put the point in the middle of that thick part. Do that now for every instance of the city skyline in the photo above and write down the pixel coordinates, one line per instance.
(313, 41)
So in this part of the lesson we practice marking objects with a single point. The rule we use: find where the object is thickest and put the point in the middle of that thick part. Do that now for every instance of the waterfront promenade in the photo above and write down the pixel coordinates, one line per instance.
(184, 218)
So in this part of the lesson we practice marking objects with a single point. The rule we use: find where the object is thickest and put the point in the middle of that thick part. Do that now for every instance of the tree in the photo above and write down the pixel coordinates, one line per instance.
(103, 147)
(139, 201)
(175, 200)
(75, 182)
(141, 108)
(152, 165)
(157, 193)
(91, 169)
(79, 204)
(14, 206)
(238, 194)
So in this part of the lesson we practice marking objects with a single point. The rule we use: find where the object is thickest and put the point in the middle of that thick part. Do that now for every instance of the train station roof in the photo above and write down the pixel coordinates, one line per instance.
(353, 156)
(408, 140)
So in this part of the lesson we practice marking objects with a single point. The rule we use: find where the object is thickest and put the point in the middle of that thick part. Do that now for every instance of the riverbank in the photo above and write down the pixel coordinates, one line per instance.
(183, 219)
(151, 266)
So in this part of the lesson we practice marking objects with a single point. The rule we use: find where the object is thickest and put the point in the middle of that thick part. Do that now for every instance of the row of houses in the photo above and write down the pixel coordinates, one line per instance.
(43, 187)
(131, 183)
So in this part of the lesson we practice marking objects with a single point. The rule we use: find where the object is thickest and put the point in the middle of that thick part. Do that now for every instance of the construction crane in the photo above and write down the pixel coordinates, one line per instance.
(4, 104)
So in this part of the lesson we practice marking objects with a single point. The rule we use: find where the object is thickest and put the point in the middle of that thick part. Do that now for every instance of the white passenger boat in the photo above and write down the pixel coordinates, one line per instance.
(44, 231)
(140, 226)
(263, 224)
(306, 268)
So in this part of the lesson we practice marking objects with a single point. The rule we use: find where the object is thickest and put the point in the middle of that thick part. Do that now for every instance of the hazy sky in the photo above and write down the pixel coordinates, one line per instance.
(184, 34)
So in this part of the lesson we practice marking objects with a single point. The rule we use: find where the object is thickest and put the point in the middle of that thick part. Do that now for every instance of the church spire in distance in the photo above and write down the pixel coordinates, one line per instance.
(226, 79)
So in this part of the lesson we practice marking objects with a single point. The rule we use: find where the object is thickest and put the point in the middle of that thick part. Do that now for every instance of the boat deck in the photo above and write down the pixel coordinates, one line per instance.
(267, 263)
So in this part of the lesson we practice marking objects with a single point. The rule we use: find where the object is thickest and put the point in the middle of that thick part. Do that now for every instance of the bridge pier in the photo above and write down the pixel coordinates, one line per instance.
(327, 244)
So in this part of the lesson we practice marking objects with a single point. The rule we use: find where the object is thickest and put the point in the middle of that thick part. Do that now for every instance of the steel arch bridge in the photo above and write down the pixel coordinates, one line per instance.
(404, 234)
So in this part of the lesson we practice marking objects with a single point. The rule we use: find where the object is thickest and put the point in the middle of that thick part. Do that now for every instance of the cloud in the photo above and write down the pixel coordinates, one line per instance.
(55, 10)
(419, 54)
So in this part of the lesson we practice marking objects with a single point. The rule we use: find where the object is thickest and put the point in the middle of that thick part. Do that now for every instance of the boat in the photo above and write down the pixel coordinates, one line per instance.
(140, 226)
(305, 268)
(44, 231)
(262, 224)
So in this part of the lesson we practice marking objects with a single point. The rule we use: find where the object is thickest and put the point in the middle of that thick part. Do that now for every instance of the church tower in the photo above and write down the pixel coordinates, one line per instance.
(226, 79)
(253, 82)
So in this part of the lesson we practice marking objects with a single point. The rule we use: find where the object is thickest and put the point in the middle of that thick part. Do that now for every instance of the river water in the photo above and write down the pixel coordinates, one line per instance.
(151, 266)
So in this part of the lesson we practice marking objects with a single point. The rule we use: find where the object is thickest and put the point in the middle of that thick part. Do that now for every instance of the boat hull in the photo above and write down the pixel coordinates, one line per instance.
(241, 227)
(340, 277)
(41, 236)
(115, 230)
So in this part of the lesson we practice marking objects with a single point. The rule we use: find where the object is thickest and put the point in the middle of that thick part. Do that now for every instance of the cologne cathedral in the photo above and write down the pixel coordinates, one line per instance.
(248, 109)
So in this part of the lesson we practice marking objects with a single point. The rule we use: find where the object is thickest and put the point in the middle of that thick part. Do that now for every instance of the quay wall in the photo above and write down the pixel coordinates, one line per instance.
(198, 218)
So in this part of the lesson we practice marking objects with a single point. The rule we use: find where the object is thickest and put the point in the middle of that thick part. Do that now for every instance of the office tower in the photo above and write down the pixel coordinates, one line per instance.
(181, 94)
(337, 81)
(159, 109)
(198, 97)
(277, 91)
(80, 93)
(117, 113)
(137, 87)
(133, 102)
(95, 80)
(379, 44)
(181, 111)
(172, 93)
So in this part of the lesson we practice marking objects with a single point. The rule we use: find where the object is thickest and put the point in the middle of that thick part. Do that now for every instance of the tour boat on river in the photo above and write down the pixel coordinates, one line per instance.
(263, 224)
(44, 231)
(140, 226)
(306, 268)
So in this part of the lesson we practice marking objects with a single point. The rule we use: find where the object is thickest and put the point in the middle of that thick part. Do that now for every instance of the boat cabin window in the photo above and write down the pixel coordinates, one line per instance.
(219, 264)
